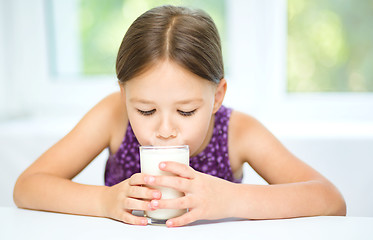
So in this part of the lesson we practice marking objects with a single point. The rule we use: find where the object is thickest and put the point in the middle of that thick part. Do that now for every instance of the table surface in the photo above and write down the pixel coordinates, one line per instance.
(27, 224)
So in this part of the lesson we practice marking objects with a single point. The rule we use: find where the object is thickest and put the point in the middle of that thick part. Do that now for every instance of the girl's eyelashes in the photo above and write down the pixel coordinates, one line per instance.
(146, 113)
(182, 113)
(186, 114)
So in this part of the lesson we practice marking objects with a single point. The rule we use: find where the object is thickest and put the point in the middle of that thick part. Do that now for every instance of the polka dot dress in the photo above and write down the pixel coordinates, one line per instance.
(213, 160)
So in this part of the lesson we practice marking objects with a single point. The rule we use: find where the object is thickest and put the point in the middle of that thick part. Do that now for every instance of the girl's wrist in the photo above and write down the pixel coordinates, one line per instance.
(103, 202)
(236, 203)
(229, 200)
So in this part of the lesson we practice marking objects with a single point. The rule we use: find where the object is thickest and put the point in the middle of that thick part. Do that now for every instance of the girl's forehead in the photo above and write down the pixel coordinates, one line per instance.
(168, 83)
(169, 75)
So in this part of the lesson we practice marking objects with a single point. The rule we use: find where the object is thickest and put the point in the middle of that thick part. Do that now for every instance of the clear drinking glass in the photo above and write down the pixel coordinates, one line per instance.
(150, 157)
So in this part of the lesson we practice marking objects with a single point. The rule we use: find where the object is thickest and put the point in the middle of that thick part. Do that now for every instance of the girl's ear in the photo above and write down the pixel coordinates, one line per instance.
(220, 94)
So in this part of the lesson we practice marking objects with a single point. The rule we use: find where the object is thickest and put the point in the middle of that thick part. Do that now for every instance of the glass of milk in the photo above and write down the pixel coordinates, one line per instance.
(150, 157)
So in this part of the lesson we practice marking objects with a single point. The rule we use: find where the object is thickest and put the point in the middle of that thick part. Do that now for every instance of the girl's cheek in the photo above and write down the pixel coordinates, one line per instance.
(142, 133)
(195, 136)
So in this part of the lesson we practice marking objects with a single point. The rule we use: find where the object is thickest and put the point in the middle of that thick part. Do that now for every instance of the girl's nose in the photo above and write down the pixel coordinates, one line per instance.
(166, 130)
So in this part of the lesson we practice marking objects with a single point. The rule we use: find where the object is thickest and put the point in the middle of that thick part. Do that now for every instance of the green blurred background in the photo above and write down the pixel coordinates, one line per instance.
(330, 46)
(104, 23)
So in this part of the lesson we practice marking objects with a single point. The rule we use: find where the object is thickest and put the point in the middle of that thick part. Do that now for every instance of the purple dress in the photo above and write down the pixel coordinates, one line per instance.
(213, 160)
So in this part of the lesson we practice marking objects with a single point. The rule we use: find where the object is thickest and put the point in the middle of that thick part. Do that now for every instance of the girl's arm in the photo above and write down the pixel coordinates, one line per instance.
(295, 189)
(46, 184)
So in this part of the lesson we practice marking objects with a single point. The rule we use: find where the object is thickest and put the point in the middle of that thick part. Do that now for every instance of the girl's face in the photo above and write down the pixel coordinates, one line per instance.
(168, 105)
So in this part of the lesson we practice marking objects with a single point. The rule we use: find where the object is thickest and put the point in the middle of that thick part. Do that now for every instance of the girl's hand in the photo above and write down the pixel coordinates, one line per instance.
(120, 199)
(206, 197)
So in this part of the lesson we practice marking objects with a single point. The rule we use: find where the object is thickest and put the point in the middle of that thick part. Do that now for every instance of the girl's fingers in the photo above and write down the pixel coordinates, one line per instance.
(136, 204)
(184, 219)
(178, 183)
(177, 203)
(132, 219)
(143, 193)
(179, 169)
(137, 179)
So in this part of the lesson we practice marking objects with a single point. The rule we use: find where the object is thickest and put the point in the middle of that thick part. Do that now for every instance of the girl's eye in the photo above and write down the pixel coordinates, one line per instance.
(186, 114)
(146, 113)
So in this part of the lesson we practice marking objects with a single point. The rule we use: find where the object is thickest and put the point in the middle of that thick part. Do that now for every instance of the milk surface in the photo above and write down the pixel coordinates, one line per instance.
(150, 157)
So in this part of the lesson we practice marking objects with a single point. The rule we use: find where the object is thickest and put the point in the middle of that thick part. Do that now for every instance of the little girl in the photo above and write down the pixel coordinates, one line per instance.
(171, 77)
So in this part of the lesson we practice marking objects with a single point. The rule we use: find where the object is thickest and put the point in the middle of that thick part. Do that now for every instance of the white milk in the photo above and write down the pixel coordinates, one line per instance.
(150, 157)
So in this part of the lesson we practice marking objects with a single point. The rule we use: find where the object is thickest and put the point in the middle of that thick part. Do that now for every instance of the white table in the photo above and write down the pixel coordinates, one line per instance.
(26, 224)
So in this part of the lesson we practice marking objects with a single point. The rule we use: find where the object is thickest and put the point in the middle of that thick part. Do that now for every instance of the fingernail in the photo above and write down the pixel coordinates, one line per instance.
(156, 195)
(155, 203)
(151, 179)
(162, 165)
(144, 221)
(169, 223)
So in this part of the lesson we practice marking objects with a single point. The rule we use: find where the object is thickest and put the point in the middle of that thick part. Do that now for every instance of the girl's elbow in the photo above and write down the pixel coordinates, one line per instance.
(337, 204)
(332, 201)
(18, 193)
(341, 207)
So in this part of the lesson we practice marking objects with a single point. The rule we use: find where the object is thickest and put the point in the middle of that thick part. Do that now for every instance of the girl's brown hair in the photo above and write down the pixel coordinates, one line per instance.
(185, 36)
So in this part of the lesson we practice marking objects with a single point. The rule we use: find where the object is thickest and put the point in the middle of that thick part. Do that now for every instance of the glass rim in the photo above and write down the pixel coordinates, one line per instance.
(153, 147)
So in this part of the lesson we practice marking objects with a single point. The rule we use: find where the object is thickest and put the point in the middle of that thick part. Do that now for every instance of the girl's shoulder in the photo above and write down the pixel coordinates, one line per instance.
(243, 125)
(109, 116)
(244, 133)
(115, 108)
